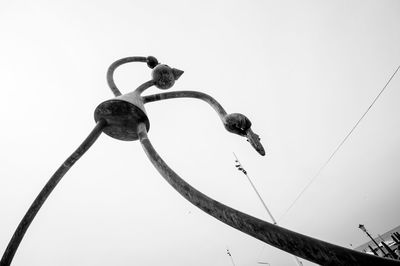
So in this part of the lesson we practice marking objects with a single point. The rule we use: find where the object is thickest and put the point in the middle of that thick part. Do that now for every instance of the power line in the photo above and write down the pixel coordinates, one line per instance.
(339, 146)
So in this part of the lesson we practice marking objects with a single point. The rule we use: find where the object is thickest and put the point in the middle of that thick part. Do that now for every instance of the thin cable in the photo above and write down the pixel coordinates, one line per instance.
(45, 192)
(339, 146)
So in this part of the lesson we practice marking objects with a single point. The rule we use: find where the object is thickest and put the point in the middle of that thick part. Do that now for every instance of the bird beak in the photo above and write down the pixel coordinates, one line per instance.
(177, 73)
(254, 140)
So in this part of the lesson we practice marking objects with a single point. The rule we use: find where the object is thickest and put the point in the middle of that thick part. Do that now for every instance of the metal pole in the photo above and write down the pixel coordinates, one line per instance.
(373, 250)
(255, 190)
(45, 192)
(383, 252)
(230, 255)
(262, 201)
(391, 252)
(312, 249)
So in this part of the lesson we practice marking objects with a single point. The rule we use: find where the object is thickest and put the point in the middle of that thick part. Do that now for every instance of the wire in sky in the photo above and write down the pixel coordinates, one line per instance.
(339, 146)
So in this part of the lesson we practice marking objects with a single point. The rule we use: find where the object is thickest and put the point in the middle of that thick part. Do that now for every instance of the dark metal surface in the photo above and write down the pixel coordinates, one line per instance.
(125, 118)
(164, 76)
(391, 252)
(115, 65)
(47, 189)
(188, 94)
(239, 124)
(124, 113)
(297, 244)
(373, 250)
(235, 123)
(150, 60)
(254, 141)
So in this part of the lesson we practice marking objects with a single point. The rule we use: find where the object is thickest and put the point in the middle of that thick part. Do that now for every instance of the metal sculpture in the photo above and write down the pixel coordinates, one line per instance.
(124, 117)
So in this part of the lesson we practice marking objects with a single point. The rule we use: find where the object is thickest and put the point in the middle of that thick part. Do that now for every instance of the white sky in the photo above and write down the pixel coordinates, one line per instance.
(302, 71)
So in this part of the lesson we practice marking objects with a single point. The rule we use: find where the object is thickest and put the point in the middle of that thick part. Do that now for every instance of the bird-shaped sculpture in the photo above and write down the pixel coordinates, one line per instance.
(239, 124)
(163, 77)
(124, 117)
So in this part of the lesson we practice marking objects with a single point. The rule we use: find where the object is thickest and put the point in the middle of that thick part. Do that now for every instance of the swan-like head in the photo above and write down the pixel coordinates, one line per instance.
(239, 124)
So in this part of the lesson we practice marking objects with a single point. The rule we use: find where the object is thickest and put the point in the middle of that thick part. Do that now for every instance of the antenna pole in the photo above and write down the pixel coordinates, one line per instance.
(230, 255)
(240, 168)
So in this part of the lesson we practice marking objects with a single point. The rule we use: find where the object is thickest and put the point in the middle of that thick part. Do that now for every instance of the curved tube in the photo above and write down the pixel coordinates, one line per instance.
(113, 66)
(47, 189)
(234, 123)
(297, 244)
(144, 87)
(188, 94)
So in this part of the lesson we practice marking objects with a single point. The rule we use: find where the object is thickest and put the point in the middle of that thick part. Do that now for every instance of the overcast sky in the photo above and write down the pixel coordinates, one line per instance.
(302, 71)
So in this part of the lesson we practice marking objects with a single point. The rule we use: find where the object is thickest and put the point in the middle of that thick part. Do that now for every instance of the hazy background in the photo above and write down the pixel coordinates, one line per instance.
(302, 71)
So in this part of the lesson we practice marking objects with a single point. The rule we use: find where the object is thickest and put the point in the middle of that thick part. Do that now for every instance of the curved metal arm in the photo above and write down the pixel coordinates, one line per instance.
(113, 66)
(235, 123)
(297, 244)
(47, 189)
(188, 94)
(144, 87)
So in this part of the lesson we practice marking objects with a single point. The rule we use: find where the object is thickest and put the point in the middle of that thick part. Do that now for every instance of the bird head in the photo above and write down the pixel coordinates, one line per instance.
(164, 76)
(239, 124)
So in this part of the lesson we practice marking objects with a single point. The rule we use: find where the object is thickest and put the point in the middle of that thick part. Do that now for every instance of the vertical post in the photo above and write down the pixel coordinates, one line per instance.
(373, 250)
(230, 255)
(384, 253)
(362, 227)
(391, 252)
(395, 239)
(240, 168)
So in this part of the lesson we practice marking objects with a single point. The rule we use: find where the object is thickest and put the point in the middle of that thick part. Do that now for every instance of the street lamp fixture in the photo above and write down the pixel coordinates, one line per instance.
(362, 227)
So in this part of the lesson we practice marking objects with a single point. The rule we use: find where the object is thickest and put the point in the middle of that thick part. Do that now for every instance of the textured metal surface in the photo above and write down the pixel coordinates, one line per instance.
(164, 76)
(125, 118)
(47, 189)
(235, 123)
(297, 244)
(116, 64)
(255, 142)
(188, 94)
(124, 113)
(239, 124)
